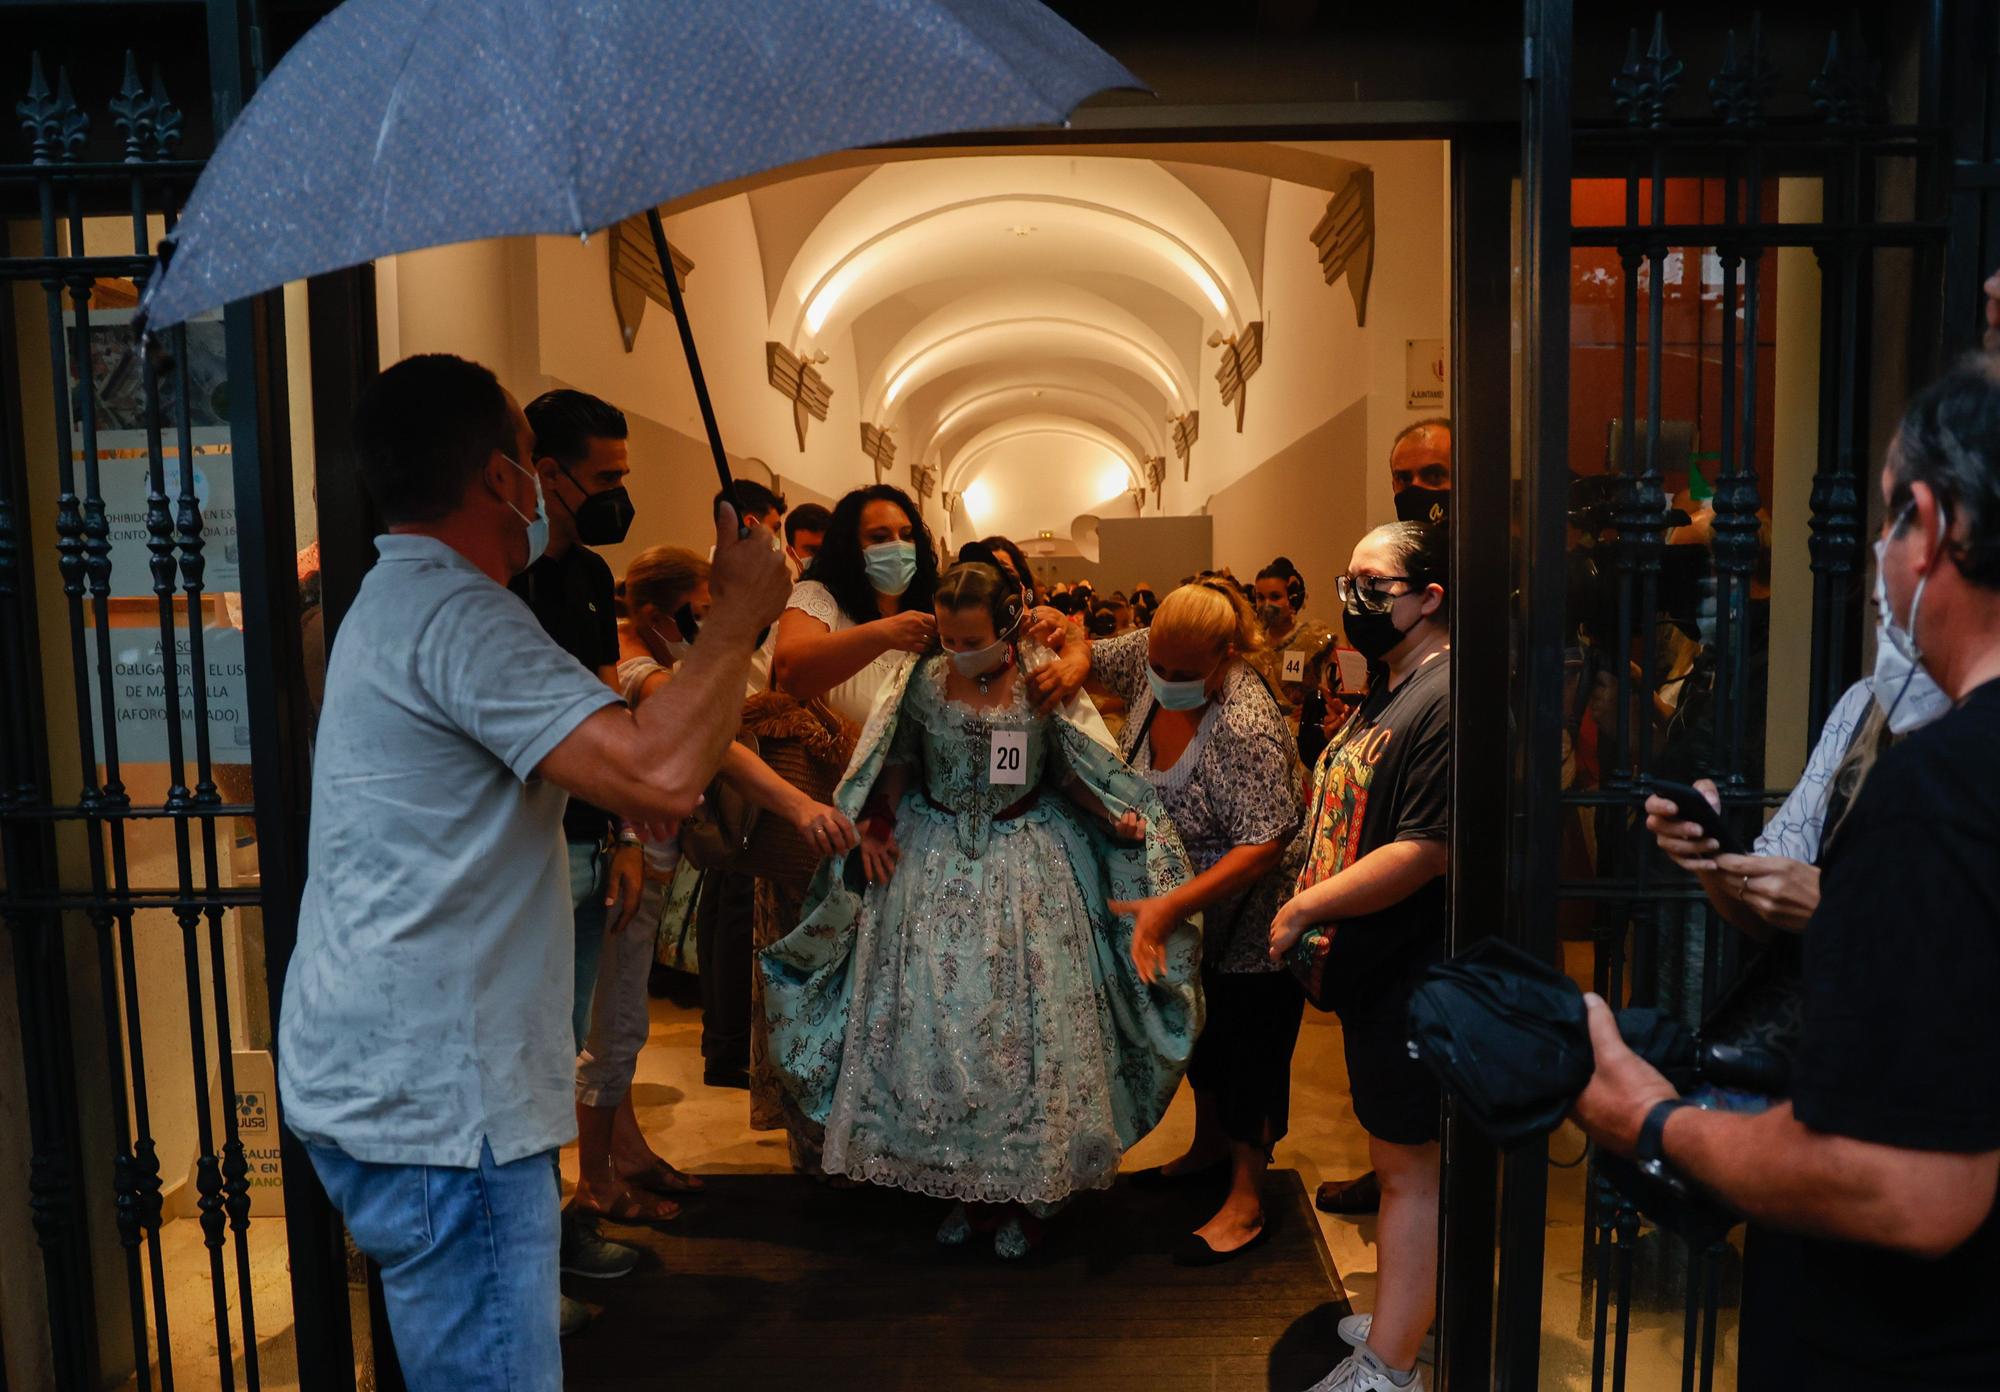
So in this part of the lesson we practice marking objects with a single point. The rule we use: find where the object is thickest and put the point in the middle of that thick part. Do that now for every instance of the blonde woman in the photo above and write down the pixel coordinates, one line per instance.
(1204, 730)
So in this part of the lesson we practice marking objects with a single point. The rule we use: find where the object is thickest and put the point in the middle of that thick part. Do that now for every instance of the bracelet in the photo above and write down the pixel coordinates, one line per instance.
(1651, 1151)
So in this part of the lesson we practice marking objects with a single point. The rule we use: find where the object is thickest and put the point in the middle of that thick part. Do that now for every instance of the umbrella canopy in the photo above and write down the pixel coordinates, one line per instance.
(401, 124)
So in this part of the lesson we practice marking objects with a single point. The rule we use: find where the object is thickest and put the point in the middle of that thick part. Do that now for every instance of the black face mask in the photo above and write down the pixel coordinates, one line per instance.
(1373, 635)
(604, 518)
(1419, 504)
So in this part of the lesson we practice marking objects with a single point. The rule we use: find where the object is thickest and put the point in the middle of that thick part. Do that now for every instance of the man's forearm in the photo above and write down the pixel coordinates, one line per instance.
(1383, 878)
(689, 723)
(1774, 1169)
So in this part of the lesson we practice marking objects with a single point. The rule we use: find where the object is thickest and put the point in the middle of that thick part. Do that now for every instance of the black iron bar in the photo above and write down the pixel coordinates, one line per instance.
(57, 129)
(44, 812)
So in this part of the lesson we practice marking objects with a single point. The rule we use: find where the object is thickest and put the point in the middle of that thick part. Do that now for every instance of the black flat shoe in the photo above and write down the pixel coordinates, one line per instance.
(726, 1078)
(1350, 1198)
(1158, 1178)
(1193, 1250)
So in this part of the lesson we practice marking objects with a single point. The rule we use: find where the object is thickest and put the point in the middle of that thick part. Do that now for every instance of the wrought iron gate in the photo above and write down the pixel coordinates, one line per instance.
(151, 757)
(1732, 272)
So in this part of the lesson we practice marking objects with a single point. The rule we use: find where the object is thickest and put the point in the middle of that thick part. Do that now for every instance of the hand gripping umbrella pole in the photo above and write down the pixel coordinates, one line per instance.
(693, 358)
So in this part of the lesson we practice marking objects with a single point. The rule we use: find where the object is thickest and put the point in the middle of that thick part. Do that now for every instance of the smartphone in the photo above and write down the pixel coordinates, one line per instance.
(1693, 807)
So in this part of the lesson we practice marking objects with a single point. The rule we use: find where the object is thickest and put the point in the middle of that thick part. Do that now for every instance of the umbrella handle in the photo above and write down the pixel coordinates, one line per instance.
(693, 358)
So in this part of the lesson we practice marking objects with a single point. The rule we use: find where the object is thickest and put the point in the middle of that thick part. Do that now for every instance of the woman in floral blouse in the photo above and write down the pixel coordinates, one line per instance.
(1204, 730)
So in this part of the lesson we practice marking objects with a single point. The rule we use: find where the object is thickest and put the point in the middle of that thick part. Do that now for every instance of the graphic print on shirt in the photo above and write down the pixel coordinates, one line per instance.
(1340, 800)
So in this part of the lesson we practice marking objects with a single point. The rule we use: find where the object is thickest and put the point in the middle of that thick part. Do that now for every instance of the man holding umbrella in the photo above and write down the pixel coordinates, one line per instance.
(426, 1056)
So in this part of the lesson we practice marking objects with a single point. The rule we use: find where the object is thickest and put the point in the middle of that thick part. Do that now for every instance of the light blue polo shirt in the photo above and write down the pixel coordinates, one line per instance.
(427, 1007)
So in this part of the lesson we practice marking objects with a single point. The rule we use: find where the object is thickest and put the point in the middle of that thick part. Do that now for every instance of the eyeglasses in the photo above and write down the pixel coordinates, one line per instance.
(1369, 592)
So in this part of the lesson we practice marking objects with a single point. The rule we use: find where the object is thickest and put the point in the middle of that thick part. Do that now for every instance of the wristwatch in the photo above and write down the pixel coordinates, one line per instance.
(1650, 1152)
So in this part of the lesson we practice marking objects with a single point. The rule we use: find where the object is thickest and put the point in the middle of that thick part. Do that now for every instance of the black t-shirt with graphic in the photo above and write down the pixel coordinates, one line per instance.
(1902, 973)
(575, 600)
(1385, 778)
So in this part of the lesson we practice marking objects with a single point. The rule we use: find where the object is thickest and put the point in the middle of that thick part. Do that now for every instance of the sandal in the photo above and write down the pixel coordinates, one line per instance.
(661, 1178)
(628, 1207)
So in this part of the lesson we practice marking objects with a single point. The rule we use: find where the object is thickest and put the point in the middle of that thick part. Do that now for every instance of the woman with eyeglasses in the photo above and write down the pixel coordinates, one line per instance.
(1205, 731)
(1369, 916)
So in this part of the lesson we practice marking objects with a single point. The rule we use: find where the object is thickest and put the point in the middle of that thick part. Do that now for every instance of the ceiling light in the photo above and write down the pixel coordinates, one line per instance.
(1112, 479)
(978, 498)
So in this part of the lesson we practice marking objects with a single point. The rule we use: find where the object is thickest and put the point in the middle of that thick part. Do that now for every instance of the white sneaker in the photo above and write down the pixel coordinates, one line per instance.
(1354, 1333)
(1362, 1371)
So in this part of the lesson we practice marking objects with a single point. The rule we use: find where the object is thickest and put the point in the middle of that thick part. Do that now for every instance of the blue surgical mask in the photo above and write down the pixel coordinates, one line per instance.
(891, 566)
(1178, 695)
(538, 525)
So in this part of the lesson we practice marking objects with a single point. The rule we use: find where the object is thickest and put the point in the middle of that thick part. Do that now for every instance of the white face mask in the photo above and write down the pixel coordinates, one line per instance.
(980, 661)
(1909, 698)
(676, 650)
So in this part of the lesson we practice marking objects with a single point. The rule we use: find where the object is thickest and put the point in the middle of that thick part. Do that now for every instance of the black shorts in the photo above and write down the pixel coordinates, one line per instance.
(1395, 1097)
(1244, 1055)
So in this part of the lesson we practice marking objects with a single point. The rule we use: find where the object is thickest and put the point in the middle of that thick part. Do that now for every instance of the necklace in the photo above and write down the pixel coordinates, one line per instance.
(986, 678)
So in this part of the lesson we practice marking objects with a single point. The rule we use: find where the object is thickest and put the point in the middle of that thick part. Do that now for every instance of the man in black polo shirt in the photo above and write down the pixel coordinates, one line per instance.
(1887, 1156)
(580, 458)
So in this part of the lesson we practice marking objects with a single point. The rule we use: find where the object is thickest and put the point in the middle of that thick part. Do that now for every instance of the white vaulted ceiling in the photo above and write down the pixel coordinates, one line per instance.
(1031, 319)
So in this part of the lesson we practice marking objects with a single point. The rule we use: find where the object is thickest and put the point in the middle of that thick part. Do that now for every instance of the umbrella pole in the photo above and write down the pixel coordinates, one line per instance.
(687, 347)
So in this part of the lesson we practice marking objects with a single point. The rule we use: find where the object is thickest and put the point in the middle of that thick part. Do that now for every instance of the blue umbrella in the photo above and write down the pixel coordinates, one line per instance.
(401, 124)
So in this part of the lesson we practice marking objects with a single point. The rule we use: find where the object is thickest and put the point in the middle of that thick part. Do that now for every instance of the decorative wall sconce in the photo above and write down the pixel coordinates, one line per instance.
(798, 380)
(1187, 429)
(923, 478)
(951, 501)
(1345, 237)
(635, 275)
(880, 447)
(1242, 355)
(1156, 476)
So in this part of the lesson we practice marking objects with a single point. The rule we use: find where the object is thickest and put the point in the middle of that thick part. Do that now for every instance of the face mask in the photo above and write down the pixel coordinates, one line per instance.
(538, 525)
(980, 661)
(1419, 504)
(604, 518)
(1909, 698)
(1373, 635)
(1178, 695)
(891, 566)
(1275, 617)
(676, 651)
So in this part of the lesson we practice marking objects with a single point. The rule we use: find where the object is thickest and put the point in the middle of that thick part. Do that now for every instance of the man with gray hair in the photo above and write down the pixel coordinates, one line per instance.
(1886, 1156)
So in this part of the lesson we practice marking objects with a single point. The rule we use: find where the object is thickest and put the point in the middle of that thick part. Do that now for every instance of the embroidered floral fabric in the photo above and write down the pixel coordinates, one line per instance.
(975, 1028)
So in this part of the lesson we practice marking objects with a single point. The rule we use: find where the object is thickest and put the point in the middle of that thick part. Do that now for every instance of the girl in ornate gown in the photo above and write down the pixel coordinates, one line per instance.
(959, 1006)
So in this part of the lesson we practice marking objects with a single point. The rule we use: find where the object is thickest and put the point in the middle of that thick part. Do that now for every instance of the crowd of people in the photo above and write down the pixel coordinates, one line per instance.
(988, 866)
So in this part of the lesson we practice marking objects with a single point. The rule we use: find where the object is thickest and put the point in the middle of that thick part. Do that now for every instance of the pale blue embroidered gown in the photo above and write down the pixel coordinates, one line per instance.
(975, 1029)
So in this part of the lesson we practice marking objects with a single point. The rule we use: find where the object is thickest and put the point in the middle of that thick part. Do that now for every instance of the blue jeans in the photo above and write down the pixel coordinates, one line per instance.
(588, 868)
(468, 1261)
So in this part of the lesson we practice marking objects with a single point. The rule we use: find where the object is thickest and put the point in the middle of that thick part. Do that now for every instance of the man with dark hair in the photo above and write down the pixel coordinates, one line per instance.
(1420, 470)
(756, 503)
(1886, 1156)
(425, 1057)
(580, 453)
(805, 533)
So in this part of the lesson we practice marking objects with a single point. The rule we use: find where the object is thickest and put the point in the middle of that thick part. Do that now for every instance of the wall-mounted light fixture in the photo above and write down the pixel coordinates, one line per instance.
(1345, 237)
(1242, 355)
(798, 380)
(635, 275)
(1187, 429)
(880, 447)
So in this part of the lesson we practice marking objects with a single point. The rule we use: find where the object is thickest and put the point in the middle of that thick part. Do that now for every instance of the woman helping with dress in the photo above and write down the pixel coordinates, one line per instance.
(961, 1006)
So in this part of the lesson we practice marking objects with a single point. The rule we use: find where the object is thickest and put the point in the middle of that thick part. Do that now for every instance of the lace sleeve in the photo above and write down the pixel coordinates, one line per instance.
(811, 597)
